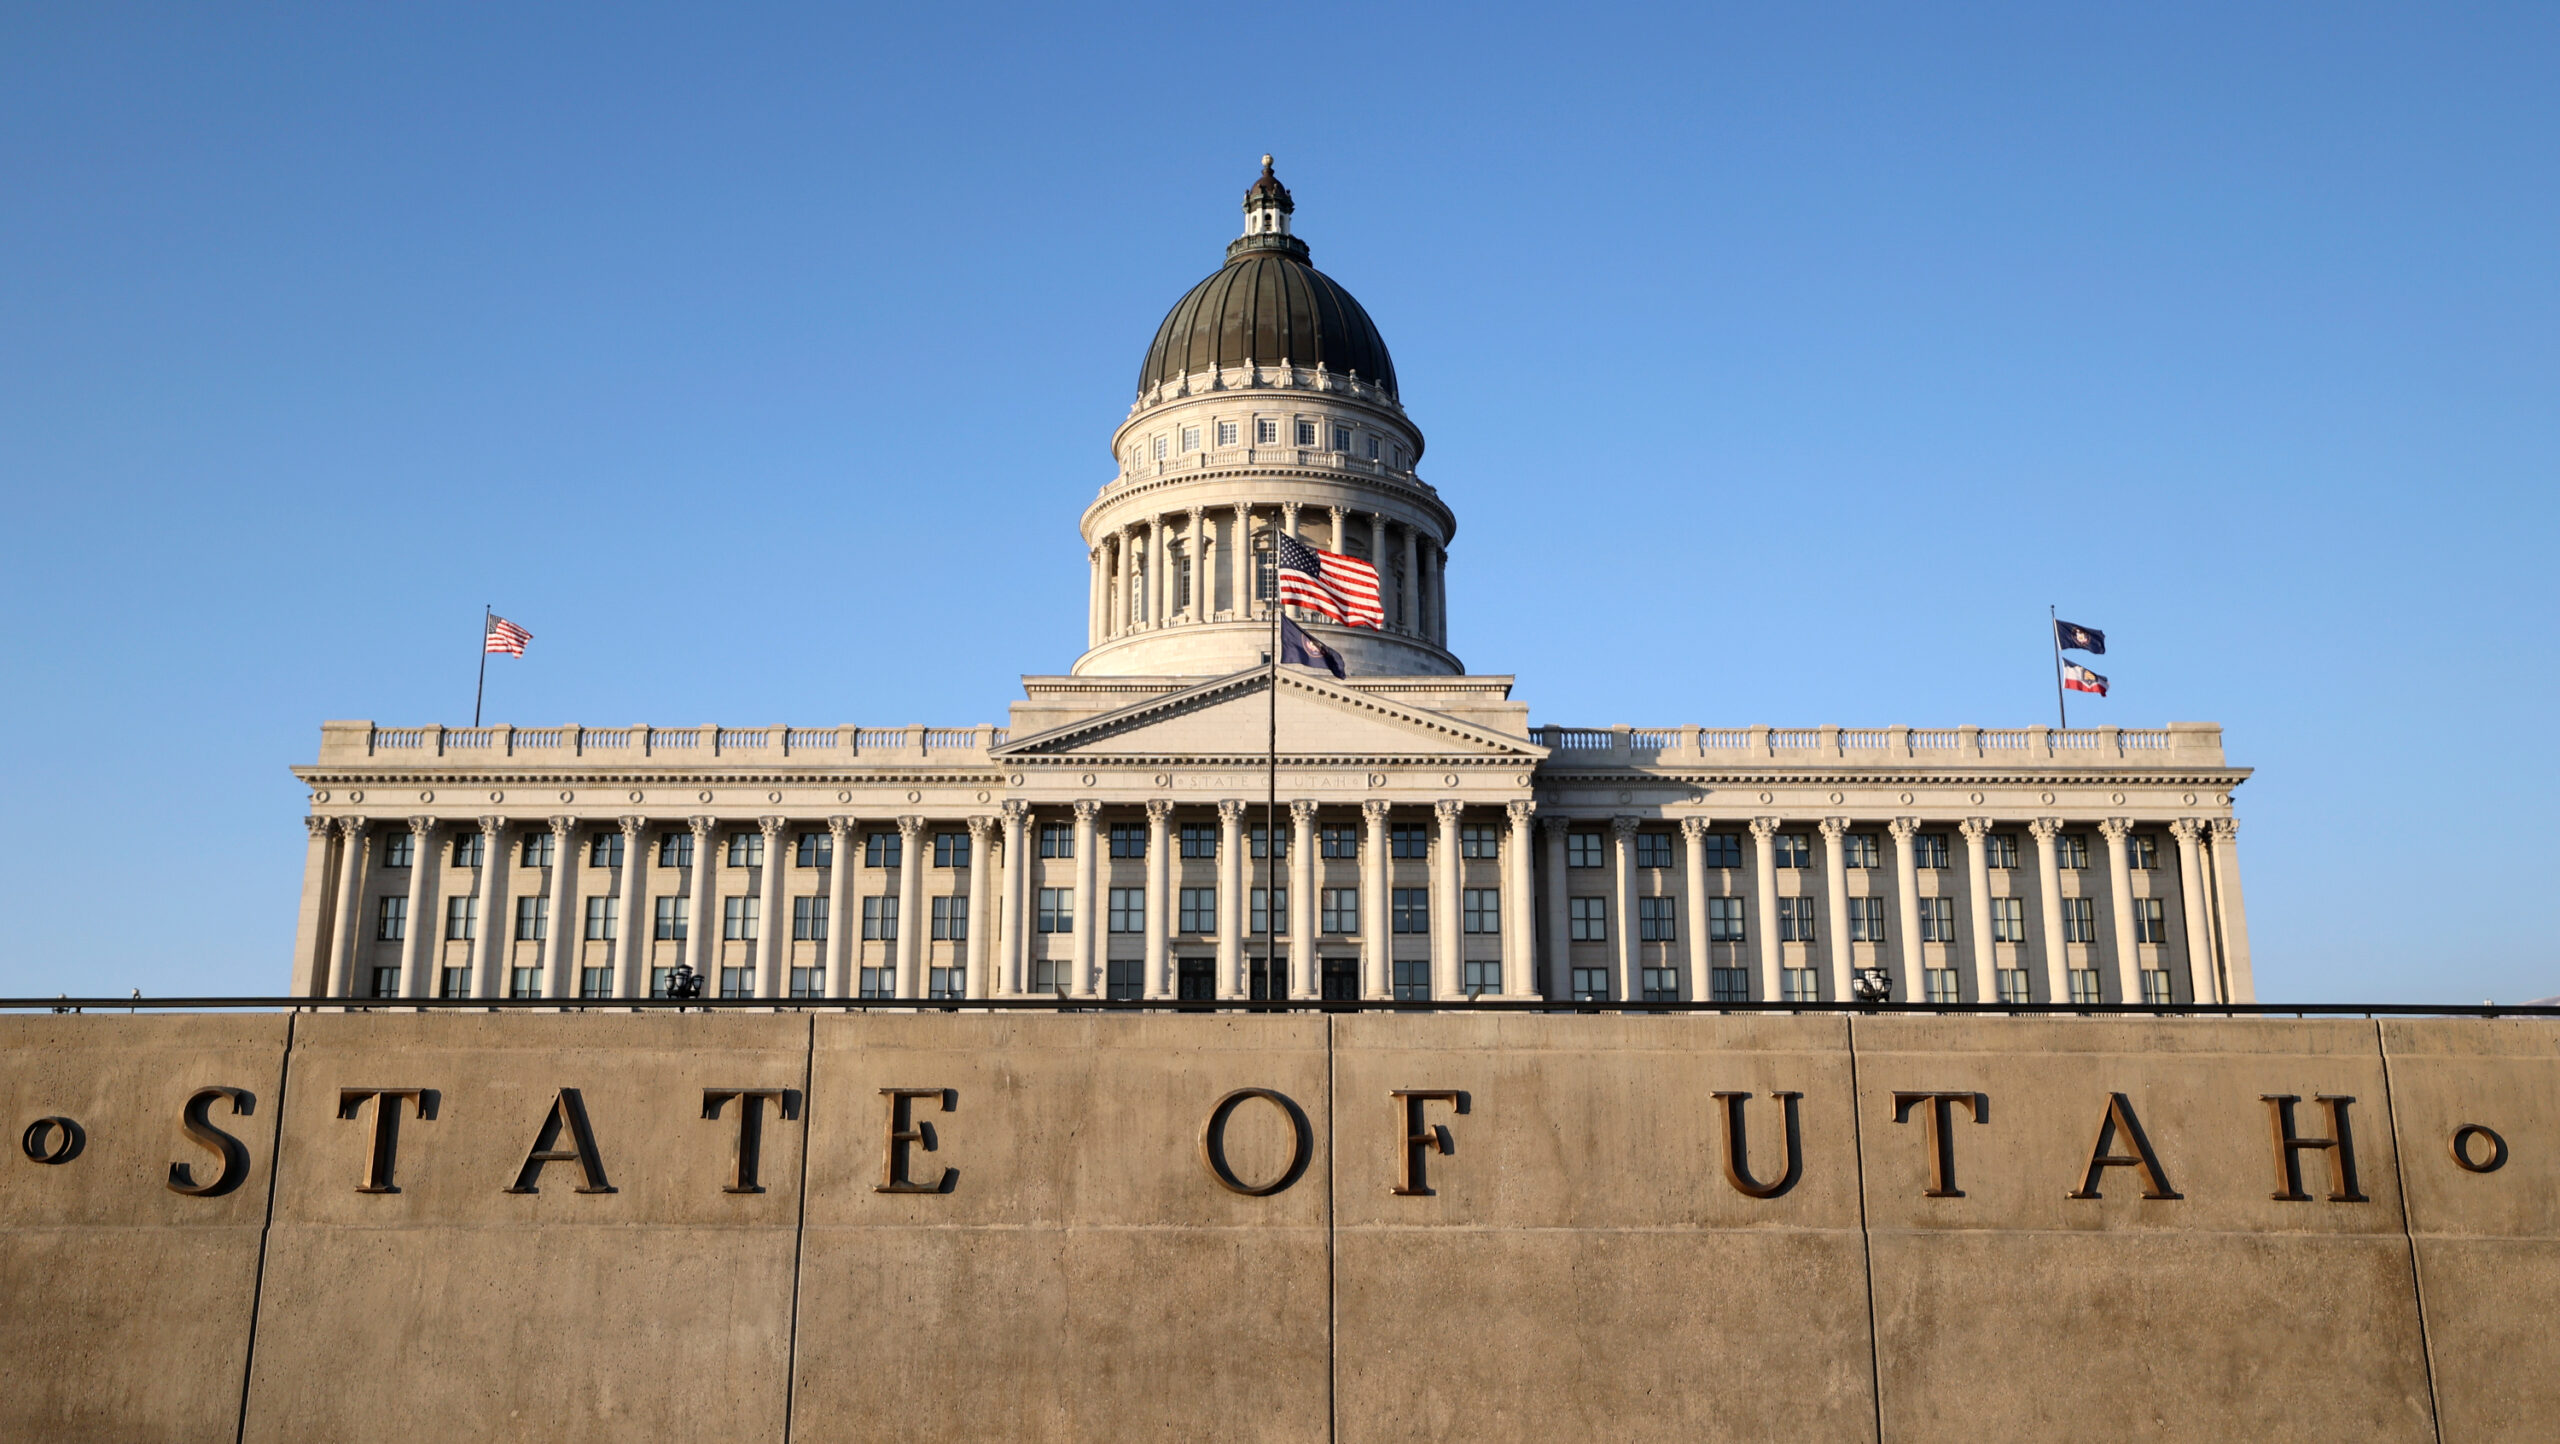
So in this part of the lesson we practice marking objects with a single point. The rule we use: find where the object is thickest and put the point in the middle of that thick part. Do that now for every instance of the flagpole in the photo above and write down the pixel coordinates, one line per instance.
(2053, 631)
(483, 688)
(1271, 831)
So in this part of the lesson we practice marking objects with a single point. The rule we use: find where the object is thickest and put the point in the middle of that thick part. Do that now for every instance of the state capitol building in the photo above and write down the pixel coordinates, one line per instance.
(1428, 841)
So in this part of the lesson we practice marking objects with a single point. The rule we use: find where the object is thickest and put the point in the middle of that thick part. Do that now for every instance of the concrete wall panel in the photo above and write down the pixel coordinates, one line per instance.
(127, 1305)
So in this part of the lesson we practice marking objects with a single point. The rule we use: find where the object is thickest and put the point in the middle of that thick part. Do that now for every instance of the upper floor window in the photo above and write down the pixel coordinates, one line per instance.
(951, 849)
(880, 919)
(1339, 839)
(1191, 438)
(675, 850)
(1372, 443)
(1199, 839)
(538, 849)
(605, 851)
(469, 848)
(808, 920)
(1585, 849)
(1226, 433)
(1793, 849)
(668, 923)
(1655, 920)
(1342, 438)
(1163, 448)
(1261, 836)
(738, 919)
(1866, 919)
(1199, 912)
(1588, 919)
(461, 919)
(2142, 850)
(1128, 910)
(1400, 462)
(1480, 909)
(1409, 910)
(1340, 913)
(2150, 920)
(1725, 920)
(1057, 839)
(399, 848)
(1306, 433)
(1724, 849)
(391, 919)
(1861, 849)
(817, 849)
(1128, 839)
(2008, 920)
(1057, 910)
(1653, 849)
(1479, 842)
(951, 919)
(1795, 920)
(883, 849)
(746, 849)
(2072, 849)
(1929, 849)
(2000, 849)
(1408, 840)
(1266, 432)
(2079, 920)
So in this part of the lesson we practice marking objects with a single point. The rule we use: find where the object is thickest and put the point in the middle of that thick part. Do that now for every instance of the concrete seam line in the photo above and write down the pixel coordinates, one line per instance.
(800, 1228)
(1866, 1238)
(2408, 1233)
(266, 1226)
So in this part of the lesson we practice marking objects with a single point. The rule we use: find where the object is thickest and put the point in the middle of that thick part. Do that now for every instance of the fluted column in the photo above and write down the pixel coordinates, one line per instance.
(1158, 981)
(1374, 917)
(311, 932)
(1628, 985)
(1520, 914)
(562, 946)
(2120, 909)
(1302, 898)
(1159, 572)
(1906, 897)
(1448, 944)
(702, 928)
(1409, 589)
(1378, 552)
(419, 956)
(1093, 600)
(1835, 899)
(347, 943)
(2238, 985)
(1115, 567)
(978, 909)
(1289, 518)
(2191, 910)
(1008, 950)
(2057, 956)
(1204, 572)
(490, 946)
(1231, 901)
(1338, 518)
(1764, 903)
(773, 930)
(1084, 947)
(631, 926)
(1559, 927)
(835, 974)
(1977, 877)
(1693, 917)
(913, 926)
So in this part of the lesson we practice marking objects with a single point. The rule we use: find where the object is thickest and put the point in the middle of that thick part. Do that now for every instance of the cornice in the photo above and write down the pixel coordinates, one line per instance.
(730, 778)
(1412, 489)
(2192, 777)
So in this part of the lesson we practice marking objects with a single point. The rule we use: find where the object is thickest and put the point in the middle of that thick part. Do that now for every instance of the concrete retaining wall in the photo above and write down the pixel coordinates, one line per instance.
(1010, 1227)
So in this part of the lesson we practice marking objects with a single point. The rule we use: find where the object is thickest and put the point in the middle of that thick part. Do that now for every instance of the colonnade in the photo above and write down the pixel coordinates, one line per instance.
(1135, 585)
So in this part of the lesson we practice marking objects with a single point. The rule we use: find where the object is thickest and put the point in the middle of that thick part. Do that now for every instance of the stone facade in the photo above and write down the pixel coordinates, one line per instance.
(1112, 839)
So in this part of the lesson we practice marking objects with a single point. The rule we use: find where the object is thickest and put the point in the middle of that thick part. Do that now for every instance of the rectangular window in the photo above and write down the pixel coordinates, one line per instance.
(1656, 920)
(533, 919)
(1587, 919)
(738, 919)
(1226, 433)
(1724, 849)
(399, 848)
(461, 919)
(879, 919)
(524, 982)
(1479, 843)
(1483, 976)
(1794, 849)
(2150, 920)
(671, 919)
(883, 849)
(1128, 839)
(746, 849)
(1480, 910)
(1731, 985)
(391, 920)
(737, 982)
(1057, 839)
(1866, 919)
(808, 920)
(604, 920)
(538, 849)
(1198, 910)
(2000, 849)
(948, 982)
(675, 850)
(456, 984)
(1929, 849)
(1937, 920)
(951, 919)
(1795, 920)
(1661, 985)
(1591, 985)
(1128, 910)
(2072, 850)
(1266, 431)
(1199, 839)
(1057, 910)
(2084, 985)
(816, 849)
(1271, 911)
(2013, 985)
(1861, 849)
(808, 982)
(1342, 438)
(1338, 840)
(1585, 849)
(1653, 849)
(1939, 984)
(1261, 837)
(469, 848)
(1413, 978)
(1799, 985)
(1306, 433)
(1163, 447)
(951, 849)
(2079, 920)
(605, 851)
(2008, 920)
(1340, 912)
(1371, 443)
(2155, 986)
(658, 980)
(1408, 840)
(2142, 850)
(879, 982)
(595, 982)
(1409, 909)
(1724, 920)
(1191, 438)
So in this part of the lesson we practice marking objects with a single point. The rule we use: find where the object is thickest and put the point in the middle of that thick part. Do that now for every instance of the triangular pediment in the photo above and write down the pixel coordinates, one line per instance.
(1232, 717)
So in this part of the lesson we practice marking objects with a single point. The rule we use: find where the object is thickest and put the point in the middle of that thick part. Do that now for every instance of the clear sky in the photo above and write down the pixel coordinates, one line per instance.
(1782, 365)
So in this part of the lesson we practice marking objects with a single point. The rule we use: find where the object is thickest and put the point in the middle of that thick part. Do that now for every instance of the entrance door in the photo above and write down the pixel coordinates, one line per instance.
(1267, 979)
(1196, 980)
(1342, 979)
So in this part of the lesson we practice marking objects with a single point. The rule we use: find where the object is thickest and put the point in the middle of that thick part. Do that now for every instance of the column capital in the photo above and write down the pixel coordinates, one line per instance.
(2188, 829)
(1903, 828)
(910, 827)
(771, 827)
(1302, 809)
(320, 827)
(1375, 809)
(1158, 809)
(1692, 829)
(354, 827)
(701, 828)
(1016, 811)
(492, 825)
(1624, 826)
(2116, 827)
(2045, 829)
(1230, 810)
(1975, 828)
(1764, 828)
(2225, 829)
(1556, 824)
(561, 826)
(1448, 808)
(632, 824)
(1520, 809)
(840, 828)
(980, 825)
(1086, 809)
(1835, 828)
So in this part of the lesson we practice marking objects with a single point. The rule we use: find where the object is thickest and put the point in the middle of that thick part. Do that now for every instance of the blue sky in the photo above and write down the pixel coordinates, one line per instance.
(1780, 367)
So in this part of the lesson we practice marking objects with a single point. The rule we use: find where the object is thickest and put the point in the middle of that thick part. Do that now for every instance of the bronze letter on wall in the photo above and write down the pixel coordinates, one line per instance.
(751, 1103)
(2461, 1149)
(38, 1144)
(2340, 1146)
(1213, 1143)
(570, 1110)
(235, 1158)
(2120, 1123)
(1942, 1143)
(385, 1154)
(1421, 1138)
(904, 1132)
(1737, 1151)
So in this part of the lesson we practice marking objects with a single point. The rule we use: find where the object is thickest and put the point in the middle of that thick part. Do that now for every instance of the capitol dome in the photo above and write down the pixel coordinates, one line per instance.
(1268, 307)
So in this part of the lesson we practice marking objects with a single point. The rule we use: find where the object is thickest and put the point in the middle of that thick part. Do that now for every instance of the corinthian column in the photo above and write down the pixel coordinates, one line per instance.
(1374, 917)
(1764, 881)
(561, 948)
(1155, 983)
(835, 968)
(1084, 951)
(2120, 909)
(979, 909)
(1008, 949)
(1906, 896)
(420, 956)
(1448, 944)
(1977, 877)
(631, 924)
(1559, 928)
(1409, 589)
(1629, 983)
(1204, 576)
(913, 927)
(702, 929)
(1519, 925)
(2057, 957)
(1302, 898)
(2198, 937)
(773, 930)
(311, 926)
(1693, 880)
(2238, 986)
(490, 950)
(344, 950)
(1231, 901)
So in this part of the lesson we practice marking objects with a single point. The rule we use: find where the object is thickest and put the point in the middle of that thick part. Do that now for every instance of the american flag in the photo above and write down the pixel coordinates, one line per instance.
(505, 636)
(1343, 588)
